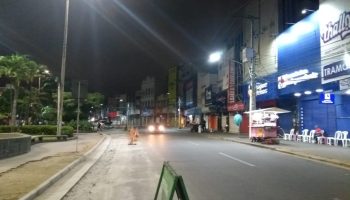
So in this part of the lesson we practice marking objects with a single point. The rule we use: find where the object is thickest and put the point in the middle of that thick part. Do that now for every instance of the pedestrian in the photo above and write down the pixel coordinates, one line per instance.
(136, 133)
(318, 133)
(132, 136)
(99, 127)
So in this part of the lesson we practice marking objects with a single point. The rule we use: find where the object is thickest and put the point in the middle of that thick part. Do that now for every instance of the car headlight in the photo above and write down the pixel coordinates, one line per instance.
(151, 128)
(161, 128)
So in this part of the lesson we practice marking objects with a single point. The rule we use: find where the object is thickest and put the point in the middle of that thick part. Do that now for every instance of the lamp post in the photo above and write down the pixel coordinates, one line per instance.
(63, 71)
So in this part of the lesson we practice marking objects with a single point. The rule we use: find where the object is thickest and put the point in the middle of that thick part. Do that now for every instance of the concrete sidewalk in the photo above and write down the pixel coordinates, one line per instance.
(47, 149)
(335, 155)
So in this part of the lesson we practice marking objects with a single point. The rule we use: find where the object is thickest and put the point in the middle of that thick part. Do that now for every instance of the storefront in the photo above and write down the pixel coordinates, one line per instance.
(314, 70)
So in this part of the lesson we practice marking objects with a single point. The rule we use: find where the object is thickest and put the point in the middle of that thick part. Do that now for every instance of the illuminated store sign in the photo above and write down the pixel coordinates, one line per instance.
(334, 21)
(261, 88)
(335, 71)
(295, 78)
(341, 28)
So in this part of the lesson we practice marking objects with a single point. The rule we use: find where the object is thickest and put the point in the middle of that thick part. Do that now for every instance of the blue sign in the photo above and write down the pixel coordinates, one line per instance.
(335, 70)
(327, 98)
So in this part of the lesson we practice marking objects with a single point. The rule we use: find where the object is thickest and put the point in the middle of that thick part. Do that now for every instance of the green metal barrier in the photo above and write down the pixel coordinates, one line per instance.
(169, 182)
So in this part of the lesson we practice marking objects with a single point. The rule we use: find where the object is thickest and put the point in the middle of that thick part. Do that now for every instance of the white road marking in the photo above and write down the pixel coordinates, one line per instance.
(237, 159)
(194, 143)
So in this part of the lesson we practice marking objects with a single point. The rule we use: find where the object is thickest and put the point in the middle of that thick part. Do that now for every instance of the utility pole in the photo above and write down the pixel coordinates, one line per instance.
(179, 110)
(60, 90)
(249, 56)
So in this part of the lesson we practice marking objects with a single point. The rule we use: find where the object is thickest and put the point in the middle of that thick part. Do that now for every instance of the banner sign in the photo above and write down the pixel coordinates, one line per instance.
(209, 95)
(295, 78)
(334, 20)
(335, 71)
(231, 85)
(236, 106)
(261, 88)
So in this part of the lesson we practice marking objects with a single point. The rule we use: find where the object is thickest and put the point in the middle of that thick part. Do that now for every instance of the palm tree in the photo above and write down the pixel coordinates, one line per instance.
(18, 69)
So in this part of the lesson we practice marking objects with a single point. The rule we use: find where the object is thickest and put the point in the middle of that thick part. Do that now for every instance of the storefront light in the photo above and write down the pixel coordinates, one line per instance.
(297, 94)
(307, 92)
(347, 91)
(319, 90)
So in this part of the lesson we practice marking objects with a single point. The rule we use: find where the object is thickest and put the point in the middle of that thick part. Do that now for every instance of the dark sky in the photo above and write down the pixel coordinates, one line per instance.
(115, 44)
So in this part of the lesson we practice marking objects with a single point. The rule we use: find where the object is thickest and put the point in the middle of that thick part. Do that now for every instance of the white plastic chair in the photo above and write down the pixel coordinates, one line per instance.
(310, 137)
(289, 136)
(303, 133)
(344, 139)
(337, 136)
(306, 136)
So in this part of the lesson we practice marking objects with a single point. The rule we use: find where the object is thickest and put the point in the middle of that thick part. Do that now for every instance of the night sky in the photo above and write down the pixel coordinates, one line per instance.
(115, 44)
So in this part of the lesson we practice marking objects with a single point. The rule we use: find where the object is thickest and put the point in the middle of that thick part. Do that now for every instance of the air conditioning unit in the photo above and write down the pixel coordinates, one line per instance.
(247, 54)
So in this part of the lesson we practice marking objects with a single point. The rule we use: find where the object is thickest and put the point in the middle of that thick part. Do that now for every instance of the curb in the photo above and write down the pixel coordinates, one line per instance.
(49, 182)
(337, 163)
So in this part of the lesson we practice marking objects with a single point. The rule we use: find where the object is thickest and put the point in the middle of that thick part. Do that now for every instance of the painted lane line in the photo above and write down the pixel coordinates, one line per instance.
(194, 143)
(237, 159)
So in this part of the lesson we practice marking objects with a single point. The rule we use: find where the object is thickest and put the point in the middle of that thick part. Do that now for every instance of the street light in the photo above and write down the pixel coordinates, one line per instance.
(45, 72)
(63, 72)
(215, 57)
(304, 11)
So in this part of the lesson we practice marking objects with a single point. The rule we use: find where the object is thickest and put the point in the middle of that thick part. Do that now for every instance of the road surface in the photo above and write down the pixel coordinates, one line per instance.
(211, 169)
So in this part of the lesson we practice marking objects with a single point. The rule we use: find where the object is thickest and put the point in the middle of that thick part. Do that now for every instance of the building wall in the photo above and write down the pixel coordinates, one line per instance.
(265, 29)
(147, 100)
(148, 92)
(204, 81)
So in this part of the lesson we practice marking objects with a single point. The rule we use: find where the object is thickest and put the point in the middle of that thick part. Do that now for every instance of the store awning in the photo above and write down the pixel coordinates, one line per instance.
(272, 109)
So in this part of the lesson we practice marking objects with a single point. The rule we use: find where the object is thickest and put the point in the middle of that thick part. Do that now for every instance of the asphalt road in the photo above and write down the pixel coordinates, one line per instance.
(211, 169)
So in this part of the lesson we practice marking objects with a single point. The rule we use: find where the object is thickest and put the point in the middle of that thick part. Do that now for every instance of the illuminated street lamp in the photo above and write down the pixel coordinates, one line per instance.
(304, 11)
(45, 72)
(215, 57)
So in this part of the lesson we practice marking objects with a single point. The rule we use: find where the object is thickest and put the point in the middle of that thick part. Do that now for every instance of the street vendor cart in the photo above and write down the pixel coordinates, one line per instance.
(263, 125)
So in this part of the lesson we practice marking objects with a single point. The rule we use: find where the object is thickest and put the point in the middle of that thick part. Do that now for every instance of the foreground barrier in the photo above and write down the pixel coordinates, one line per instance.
(169, 182)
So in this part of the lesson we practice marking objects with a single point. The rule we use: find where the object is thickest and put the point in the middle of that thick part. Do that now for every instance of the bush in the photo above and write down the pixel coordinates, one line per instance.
(84, 125)
(8, 129)
(67, 130)
(46, 130)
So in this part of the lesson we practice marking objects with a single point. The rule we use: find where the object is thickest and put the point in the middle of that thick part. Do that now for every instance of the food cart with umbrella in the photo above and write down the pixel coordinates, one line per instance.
(263, 127)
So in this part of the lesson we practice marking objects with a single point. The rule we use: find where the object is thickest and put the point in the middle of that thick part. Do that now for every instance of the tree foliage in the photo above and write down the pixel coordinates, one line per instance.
(31, 94)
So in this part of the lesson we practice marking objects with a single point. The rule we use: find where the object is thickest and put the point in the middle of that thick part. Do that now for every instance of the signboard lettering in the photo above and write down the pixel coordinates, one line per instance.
(261, 88)
(335, 71)
(334, 23)
(295, 78)
(341, 28)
